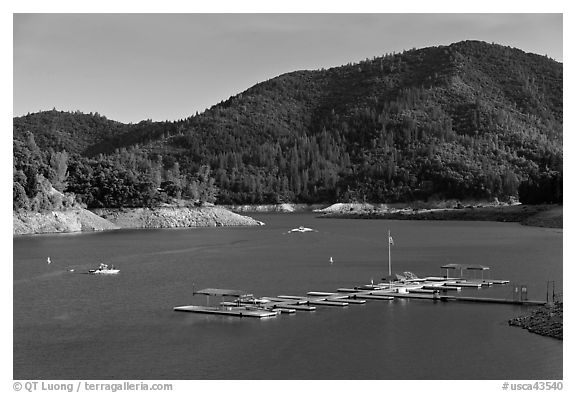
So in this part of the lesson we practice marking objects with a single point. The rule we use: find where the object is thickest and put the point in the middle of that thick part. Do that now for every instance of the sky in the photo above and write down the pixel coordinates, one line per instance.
(133, 67)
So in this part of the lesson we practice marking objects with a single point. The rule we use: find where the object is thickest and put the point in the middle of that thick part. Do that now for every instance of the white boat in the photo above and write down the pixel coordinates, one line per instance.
(104, 269)
(301, 229)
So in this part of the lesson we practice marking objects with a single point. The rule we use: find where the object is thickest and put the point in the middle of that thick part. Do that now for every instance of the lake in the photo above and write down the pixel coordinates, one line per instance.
(71, 325)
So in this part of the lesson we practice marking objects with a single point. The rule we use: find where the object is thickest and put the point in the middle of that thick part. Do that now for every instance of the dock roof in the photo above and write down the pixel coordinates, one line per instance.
(221, 292)
(460, 266)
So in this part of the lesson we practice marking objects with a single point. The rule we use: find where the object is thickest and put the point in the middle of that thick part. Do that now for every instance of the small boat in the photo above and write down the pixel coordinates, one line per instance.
(301, 229)
(104, 269)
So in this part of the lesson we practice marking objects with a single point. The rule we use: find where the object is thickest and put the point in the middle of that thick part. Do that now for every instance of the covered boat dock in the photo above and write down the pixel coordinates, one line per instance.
(245, 305)
(465, 268)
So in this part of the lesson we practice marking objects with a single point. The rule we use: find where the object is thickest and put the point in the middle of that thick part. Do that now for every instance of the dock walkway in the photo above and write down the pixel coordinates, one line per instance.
(429, 288)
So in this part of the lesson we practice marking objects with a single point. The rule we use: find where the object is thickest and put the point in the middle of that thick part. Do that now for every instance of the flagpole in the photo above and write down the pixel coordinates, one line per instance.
(389, 258)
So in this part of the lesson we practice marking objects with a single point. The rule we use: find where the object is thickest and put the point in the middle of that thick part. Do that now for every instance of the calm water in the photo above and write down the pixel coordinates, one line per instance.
(69, 325)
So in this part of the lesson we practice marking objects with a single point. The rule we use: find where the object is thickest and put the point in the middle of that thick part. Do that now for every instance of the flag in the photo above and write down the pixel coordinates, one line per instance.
(390, 240)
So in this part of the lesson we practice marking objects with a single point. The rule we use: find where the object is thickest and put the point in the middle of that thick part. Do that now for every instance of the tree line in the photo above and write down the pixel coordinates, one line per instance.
(50, 180)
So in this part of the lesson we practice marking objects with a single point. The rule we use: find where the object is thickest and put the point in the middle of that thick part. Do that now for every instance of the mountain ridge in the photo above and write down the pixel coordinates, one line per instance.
(469, 119)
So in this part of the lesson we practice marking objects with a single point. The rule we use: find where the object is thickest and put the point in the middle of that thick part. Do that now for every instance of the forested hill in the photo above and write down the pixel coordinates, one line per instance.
(469, 120)
(86, 134)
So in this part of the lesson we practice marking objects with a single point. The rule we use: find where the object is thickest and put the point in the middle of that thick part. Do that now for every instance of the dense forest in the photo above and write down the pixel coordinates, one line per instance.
(469, 120)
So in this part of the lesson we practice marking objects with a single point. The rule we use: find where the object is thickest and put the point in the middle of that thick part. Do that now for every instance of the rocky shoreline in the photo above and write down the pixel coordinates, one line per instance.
(81, 220)
(549, 216)
(73, 220)
(175, 217)
(546, 321)
(274, 208)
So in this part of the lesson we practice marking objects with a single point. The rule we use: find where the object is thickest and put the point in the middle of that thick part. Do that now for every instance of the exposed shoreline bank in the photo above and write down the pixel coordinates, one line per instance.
(549, 216)
(176, 217)
(82, 220)
(66, 221)
(274, 208)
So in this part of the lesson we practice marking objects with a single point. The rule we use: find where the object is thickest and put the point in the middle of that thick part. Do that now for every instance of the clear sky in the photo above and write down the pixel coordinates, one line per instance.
(132, 67)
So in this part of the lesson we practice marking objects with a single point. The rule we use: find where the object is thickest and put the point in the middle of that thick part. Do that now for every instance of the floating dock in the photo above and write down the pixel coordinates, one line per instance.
(442, 287)
(429, 288)
(233, 311)
(492, 300)
(370, 296)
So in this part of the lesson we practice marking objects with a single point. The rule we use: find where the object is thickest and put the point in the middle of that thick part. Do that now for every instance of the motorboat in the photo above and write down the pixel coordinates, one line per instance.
(301, 229)
(104, 269)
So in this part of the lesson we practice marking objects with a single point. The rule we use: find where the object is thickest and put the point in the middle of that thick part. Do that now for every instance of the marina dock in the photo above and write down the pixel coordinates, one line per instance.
(233, 311)
(491, 300)
(428, 288)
